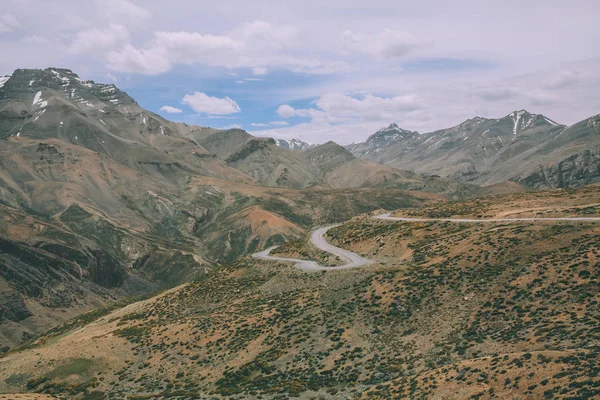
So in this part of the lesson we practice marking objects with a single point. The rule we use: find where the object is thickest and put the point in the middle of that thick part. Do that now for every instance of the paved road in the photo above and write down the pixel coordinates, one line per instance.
(317, 238)
(387, 217)
(353, 260)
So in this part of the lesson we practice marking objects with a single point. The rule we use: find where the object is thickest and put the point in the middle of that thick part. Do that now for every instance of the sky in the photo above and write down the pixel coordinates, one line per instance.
(321, 70)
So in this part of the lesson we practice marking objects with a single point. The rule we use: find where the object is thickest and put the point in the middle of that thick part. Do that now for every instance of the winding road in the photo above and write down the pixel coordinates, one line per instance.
(353, 260)
(317, 238)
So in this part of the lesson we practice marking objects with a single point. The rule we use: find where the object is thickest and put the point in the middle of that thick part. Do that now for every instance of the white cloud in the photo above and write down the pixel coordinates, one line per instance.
(562, 80)
(367, 107)
(386, 44)
(342, 117)
(286, 111)
(111, 77)
(202, 103)
(499, 93)
(253, 45)
(258, 124)
(97, 41)
(122, 10)
(259, 71)
(130, 59)
(171, 110)
(8, 23)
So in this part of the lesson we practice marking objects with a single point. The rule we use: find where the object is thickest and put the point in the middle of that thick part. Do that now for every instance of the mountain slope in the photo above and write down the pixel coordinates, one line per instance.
(446, 311)
(489, 151)
(101, 199)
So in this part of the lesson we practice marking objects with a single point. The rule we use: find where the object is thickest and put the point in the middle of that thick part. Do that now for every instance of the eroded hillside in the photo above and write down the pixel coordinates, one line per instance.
(447, 311)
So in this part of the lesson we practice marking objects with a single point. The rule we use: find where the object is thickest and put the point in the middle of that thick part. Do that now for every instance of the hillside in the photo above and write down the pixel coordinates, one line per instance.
(448, 310)
(322, 166)
(101, 199)
(522, 147)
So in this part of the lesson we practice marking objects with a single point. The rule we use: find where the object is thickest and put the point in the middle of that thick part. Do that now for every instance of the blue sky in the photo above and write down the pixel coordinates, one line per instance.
(257, 96)
(335, 70)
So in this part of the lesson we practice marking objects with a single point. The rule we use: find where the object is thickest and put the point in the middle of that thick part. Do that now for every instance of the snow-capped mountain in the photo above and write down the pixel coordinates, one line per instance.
(487, 151)
(3, 79)
(294, 144)
(380, 140)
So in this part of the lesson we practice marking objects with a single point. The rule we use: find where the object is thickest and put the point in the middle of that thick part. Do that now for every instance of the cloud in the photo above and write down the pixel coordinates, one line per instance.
(342, 117)
(258, 124)
(254, 45)
(385, 44)
(286, 111)
(367, 107)
(171, 110)
(8, 23)
(98, 41)
(562, 80)
(499, 93)
(202, 103)
(130, 59)
(122, 10)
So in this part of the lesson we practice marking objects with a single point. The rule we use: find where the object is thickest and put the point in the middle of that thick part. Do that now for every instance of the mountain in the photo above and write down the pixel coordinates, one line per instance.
(101, 199)
(380, 140)
(445, 311)
(294, 144)
(323, 166)
(521, 146)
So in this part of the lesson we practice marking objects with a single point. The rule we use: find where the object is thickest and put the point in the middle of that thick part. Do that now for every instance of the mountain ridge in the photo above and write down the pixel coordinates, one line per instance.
(489, 151)
(101, 199)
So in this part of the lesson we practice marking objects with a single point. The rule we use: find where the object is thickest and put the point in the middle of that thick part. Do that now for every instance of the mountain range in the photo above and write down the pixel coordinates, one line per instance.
(103, 204)
(101, 199)
(526, 148)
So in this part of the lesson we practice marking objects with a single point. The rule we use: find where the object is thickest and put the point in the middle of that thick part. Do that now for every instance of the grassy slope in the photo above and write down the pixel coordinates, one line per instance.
(447, 311)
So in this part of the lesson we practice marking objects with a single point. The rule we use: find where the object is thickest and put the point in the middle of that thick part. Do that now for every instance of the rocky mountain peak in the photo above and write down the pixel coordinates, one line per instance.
(294, 144)
(523, 120)
(390, 134)
(24, 82)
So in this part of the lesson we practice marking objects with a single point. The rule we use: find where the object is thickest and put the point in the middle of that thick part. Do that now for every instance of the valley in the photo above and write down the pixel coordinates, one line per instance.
(446, 309)
(144, 258)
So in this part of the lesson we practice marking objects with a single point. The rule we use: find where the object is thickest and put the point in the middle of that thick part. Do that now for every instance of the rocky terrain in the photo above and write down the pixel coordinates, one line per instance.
(447, 310)
(530, 149)
(294, 144)
(101, 199)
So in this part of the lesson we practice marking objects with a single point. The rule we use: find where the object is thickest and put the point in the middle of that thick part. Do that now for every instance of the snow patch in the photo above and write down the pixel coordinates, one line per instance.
(516, 119)
(103, 123)
(39, 115)
(550, 121)
(37, 100)
(3, 80)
